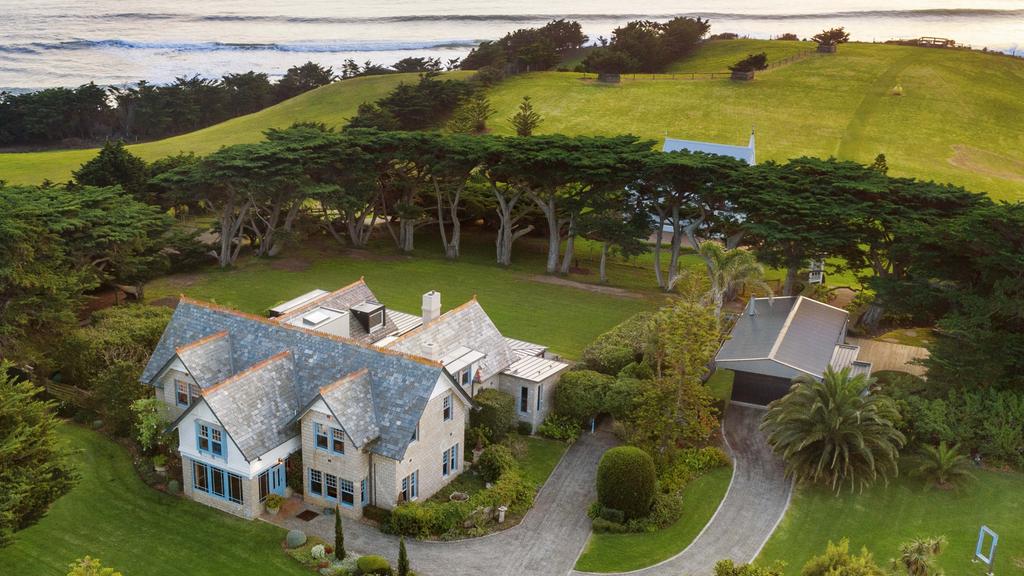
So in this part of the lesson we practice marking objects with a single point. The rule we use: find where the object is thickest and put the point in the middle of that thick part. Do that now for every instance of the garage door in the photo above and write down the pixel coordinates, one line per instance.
(757, 388)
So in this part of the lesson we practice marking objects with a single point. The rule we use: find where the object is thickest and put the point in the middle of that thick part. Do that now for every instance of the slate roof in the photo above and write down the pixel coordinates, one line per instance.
(256, 405)
(401, 383)
(204, 359)
(745, 153)
(344, 299)
(467, 325)
(350, 399)
(796, 332)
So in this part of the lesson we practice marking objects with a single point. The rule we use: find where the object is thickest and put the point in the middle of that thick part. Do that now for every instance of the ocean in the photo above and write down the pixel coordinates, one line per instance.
(45, 43)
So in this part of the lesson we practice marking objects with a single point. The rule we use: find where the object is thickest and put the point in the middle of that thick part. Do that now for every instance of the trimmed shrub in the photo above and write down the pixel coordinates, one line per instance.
(690, 463)
(623, 397)
(524, 428)
(602, 526)
(559, 428)
(622, 345)
(377, 565)
(494, 461)
(295, 538)
(626, 481)
(494, 414)
(580, 394)
(510, 490)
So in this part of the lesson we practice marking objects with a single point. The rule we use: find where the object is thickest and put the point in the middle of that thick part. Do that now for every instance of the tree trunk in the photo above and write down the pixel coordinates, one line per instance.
(406, 234)
(604, 262)
(677, 242)
(507, 221)
(659, 235)
(570, 245)
(550, 211)
(791, 277)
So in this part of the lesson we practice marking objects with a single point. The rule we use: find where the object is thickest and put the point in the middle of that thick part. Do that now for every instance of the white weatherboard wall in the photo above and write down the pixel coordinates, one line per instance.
(166, 389)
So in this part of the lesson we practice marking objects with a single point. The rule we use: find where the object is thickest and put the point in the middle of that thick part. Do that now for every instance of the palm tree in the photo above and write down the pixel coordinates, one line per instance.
(728, 271)
(830, 431)
(917, 557)
(944, 465)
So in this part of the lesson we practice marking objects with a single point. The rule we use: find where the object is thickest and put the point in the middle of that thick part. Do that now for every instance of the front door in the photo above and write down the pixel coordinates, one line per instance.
(275, 477)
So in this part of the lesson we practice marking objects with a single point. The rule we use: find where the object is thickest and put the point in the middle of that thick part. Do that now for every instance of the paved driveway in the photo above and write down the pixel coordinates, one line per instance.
(546, 543)
(757, 499)
(553, 533)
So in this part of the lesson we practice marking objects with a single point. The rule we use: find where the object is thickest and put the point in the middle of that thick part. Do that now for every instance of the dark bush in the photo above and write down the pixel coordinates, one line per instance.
(602, 526)
(494, 414)
(379, 515)
(580, 394)
(623, 396)
(524, 428)
(751, 63)
(494, 461)
(559, 428)
(622, 345)
(788, 36)
(626, 481)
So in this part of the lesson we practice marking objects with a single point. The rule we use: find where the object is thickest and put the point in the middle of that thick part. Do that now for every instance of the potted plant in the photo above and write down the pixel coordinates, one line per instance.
(829, 40)
(160, 463)
(273, 504)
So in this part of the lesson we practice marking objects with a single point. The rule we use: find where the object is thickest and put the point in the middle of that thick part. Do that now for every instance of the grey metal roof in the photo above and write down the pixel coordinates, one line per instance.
(285, 307)
(350, 399)
(535, 369)
(256, 405)
(404, 321)
(523, 349)
(204, 359)
(796, 332)
(469, 326)
(344, 299)
(401, 383)
(744, 153)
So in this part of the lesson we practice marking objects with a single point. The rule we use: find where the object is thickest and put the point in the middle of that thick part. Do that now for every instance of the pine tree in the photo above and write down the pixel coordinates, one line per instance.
(526, 120)
(403, 558)
(36, 470)
(339, 536)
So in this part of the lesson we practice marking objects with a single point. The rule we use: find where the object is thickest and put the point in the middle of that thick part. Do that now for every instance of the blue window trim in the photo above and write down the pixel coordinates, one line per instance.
(364, 496)
(351, 491)
(321, 431)
(223, 453)
(455, 457)
(331, 440)
(445, 459)
(311, 490)
(447, 410)
(225, 478)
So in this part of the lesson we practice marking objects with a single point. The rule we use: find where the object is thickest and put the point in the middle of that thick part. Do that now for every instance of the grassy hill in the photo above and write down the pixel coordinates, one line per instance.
(958, 119)
(332, 104)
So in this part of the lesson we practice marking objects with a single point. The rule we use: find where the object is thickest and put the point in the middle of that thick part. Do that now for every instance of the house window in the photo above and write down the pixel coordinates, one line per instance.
(364, 496)
(264, 482)
(454, 458)
(415, 433)
(348, 495)
(524, 399)
(316, 482)
(466, 377)
(540, 397)
(446, 408)
(209, 439)
(376, 320)
(217, 482)
(185, 393)
(410, 486)
(321, 435)
(445, 458)
(332, 487)
(337, 441)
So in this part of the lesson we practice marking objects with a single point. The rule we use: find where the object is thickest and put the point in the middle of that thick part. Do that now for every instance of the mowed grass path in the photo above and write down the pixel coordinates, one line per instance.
(883, 517)
(717, 56)
(566, 318)
(333, 105)
(113, 516)
(959, 119)
(624, 552)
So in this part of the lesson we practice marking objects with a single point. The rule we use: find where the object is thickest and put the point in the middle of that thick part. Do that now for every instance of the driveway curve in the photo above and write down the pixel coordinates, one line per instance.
(757, 499)
(549, 539)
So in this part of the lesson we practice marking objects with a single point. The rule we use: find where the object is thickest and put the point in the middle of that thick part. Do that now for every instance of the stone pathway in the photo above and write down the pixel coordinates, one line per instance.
(549, 539)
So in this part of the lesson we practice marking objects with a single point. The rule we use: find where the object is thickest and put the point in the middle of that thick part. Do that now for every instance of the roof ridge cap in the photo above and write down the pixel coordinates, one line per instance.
(324, 335)
(784, 329)
(239, 375)
(201, 341)
(343, 380)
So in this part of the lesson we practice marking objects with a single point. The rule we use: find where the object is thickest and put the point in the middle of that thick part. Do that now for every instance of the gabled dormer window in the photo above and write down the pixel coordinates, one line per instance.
(446, 408)
(415, 433)
(320, 434)
(209, 439)
(185, 393)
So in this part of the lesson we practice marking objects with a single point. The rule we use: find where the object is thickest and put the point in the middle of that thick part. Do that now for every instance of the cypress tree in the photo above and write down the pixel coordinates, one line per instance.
(403, 558)
(339, 536)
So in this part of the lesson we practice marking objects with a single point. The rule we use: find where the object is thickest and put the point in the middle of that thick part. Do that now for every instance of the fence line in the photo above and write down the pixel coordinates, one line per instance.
(701, 75)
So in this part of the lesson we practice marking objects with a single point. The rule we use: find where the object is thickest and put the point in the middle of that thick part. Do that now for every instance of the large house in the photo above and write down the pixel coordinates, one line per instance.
(377, 400)
(777, 339)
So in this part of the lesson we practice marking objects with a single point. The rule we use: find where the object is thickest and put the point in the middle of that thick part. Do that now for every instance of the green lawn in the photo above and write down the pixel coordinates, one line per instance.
(883, 517)
(565, 318)
(332, 105)
(718, 55)
(542, 455)
(957, 120)
(720, 384)
(113, 516)
(622, 552)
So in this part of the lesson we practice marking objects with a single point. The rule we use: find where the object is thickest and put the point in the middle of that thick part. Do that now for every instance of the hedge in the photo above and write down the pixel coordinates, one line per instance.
(620, 346)
(494, 461)
(494, 413)
(626, 481)
(580, 394)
